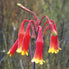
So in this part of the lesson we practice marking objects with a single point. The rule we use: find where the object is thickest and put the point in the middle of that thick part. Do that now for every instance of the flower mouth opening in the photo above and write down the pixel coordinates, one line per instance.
(24, 53)
(36, 60)
(52, 50)
(18, 50)
(9, 53)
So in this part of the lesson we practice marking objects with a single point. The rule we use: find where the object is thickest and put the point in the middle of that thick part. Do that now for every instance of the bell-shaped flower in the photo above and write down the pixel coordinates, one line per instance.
(26, 41)
(54, 44)
(38, 56)
(20, 36)
(12, 50)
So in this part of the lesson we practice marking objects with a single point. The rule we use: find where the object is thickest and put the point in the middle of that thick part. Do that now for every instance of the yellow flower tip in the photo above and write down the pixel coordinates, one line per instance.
(38, 61)
(22, 53)
(9, 53)
(32, 60)
(56, 51)
(18, 50)
(26, 53)
(52, 50)
(41, 62)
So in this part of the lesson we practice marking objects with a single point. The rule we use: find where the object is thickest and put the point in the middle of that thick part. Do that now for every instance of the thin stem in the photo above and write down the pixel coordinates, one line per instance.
(33, 66)
(48, 26)
(32, 23)
(54, 24)
(33, 32)
(49, 22)
(43, 18)
(44, 24)
(26, 20)
(22, 27)
(20, 5)
(45, 30)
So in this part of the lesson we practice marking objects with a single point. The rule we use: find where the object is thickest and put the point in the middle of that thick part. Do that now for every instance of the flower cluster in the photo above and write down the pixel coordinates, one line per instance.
(21, 45)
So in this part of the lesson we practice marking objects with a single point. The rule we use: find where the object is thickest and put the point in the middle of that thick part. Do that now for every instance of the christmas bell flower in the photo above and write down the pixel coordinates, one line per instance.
(12, 50)
(54, 45)
(20, 36)
(26, 41)
(38, 56)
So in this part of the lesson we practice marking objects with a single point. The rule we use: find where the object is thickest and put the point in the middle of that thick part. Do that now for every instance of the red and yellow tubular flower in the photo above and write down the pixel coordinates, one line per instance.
(12, 50)
(38, 56)
(20, 36)
(54, 45)
(26, 41)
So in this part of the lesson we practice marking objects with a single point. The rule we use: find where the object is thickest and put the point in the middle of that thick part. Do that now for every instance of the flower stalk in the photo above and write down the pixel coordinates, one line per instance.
(20, 5)
(22, 43)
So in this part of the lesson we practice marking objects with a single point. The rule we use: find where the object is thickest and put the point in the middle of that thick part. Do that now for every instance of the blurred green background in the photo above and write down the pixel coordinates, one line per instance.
(11, 17)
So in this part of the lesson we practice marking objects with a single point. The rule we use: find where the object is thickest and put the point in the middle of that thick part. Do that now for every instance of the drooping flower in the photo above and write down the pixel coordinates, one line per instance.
(12, 50)
(20, 36)
(54, 45)
(38, 56)
(26, 41)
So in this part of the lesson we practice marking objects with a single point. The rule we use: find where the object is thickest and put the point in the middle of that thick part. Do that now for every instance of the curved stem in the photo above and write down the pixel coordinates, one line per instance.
(54, 24)
(22, 25)
(26, 20)
(33, 64)
(43, 18)
(32, 22)
(48, 26)
(45, 30)
(32, 26)
(33, 32)
(49, 22)
(20, 5)
(44, 24)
